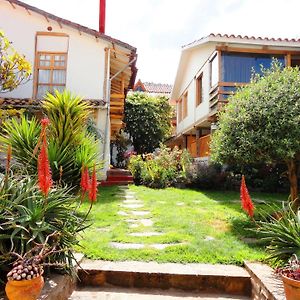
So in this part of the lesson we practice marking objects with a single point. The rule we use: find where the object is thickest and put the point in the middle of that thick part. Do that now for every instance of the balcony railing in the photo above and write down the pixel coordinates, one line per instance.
(219, 93)
(204, 148)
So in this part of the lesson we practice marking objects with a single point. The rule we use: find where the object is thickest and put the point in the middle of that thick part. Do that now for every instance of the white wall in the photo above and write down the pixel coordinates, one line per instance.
(196, 59)
(85, 68)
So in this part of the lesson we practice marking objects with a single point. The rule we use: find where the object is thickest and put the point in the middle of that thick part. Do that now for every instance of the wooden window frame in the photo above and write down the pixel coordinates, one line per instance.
(213, 57)
(184, 105)
(199, 89)
(179, 110)
(52, 68)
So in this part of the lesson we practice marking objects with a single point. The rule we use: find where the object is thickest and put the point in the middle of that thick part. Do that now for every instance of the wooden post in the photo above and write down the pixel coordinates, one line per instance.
(198, 131)
(288, 60)
(184, 141)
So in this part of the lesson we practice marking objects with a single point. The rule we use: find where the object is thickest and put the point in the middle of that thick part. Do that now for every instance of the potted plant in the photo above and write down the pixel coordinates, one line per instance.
(25, 280)
(290, 275)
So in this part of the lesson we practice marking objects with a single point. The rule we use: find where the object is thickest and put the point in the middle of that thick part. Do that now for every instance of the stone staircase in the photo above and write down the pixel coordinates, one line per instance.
(117, 177)
(140, 280)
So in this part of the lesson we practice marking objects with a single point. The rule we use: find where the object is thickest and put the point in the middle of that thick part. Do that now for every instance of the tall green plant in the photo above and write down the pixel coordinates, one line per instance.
(69, 144)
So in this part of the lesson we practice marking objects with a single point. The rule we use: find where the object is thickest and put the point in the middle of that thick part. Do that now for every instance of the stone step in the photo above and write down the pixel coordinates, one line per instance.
(113, 293)
(110, 183)
(218, 279)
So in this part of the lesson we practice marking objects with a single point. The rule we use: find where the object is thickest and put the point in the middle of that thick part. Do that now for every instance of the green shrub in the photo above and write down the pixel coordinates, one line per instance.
(27, 218)
(160, 169)
(282, 234)
(70, 144)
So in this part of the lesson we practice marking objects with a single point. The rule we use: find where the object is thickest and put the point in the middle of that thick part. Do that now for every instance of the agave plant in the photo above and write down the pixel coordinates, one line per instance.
(282, 235)
(26, 219)
(69, 144)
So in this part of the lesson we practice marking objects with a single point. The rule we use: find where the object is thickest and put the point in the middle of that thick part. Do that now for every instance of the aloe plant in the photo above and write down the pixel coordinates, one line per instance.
(282, 235)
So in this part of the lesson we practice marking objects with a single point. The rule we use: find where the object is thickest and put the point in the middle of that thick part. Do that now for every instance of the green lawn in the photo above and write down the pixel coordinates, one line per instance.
(210, 226)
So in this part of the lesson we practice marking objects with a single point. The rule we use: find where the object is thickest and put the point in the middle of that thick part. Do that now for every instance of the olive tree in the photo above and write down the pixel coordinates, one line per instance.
(261, 123)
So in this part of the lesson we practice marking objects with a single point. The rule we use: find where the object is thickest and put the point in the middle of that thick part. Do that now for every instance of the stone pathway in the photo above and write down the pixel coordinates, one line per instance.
(135, 216)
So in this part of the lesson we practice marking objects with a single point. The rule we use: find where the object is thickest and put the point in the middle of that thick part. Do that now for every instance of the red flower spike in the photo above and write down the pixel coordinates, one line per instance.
(44, 171)
(246, 201)
(8, 158)
(93, 187)
(85, 181)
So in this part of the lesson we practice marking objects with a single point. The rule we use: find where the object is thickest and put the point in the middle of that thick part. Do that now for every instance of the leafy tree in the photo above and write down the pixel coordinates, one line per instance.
(148, 120)
(261, 123)
(14, 68)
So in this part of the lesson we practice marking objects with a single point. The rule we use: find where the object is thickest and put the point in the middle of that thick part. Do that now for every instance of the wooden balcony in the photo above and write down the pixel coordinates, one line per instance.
(204, 148)
(219, 93)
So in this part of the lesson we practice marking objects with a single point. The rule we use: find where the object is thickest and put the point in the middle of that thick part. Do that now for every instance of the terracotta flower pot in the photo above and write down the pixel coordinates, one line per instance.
(291, 288)
(24, 289)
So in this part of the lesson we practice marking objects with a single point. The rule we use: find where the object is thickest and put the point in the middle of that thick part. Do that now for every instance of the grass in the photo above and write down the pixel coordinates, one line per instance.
(210, 226)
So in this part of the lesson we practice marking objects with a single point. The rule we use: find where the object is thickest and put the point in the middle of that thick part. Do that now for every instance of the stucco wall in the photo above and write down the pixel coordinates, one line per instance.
(85, 68)
(196, 59)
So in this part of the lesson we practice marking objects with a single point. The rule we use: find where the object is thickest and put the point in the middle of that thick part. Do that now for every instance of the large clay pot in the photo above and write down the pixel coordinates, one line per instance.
(291, 288)
(24, 289)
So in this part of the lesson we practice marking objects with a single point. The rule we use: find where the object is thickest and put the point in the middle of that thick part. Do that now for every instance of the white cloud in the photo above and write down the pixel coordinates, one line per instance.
(158, 28)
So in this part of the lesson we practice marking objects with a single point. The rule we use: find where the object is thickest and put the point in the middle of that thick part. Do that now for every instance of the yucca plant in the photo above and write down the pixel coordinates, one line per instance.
(282, 235)
(69, 144)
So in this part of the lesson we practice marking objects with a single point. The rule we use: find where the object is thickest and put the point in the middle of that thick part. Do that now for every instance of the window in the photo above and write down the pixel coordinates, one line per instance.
(184, 105)
(179, 110)
(51, 72)
(199, 89)
(214, 70)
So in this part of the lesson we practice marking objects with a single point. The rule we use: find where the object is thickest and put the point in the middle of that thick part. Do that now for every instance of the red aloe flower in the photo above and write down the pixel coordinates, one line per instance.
(44, 170)
(93, 187)
(85, 181)
(247, 203)
(8, 158)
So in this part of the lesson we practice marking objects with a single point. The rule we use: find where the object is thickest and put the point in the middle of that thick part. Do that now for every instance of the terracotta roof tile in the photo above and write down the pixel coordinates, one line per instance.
(32, 103)
(245, 37)
(160, 88)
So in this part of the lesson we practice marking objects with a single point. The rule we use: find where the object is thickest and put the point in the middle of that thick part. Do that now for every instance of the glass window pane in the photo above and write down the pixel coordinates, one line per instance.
(44, 63)
(59, 63)
(41, 92)
(59, 76)
(44, 76)
(59, 88)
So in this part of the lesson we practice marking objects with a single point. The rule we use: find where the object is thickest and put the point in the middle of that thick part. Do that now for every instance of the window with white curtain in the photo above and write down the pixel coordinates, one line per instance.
(51, 72)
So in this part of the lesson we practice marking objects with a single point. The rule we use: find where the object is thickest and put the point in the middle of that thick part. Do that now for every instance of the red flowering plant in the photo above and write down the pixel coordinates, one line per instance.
(247, 204)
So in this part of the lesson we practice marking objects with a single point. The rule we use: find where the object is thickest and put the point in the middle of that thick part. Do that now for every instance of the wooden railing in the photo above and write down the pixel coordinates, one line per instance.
(204, 148)
(216, 94)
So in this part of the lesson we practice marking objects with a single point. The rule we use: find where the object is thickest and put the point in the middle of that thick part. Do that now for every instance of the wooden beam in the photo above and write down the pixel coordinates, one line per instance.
(234, 84)
(288, 60)
(117, 96)
(252, 50)
(28, 11)
(12, 5)
(120, 52)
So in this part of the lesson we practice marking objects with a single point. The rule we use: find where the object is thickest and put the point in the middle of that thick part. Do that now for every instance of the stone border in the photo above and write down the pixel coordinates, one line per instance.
(266, 285)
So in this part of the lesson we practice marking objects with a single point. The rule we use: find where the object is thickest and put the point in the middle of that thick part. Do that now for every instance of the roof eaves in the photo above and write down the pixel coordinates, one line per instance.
(74, 25)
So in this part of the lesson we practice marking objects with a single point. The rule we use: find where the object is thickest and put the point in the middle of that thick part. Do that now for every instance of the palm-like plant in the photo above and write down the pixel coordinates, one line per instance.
(69, 144)
(282, 235)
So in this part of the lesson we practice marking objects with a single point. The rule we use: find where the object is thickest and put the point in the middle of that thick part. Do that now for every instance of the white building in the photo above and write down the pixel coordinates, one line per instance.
(210, 69)
(66, 55)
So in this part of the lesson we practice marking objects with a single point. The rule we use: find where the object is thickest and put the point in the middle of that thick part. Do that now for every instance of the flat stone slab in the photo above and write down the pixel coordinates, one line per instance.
(134, 225)
(118, 293)
(131, 221)
(141, 213)
(142, 234)
(126, 245)
(180, 203)
(122, 213)
(166, 268)
(209, 238)
(267, 279)
(133, 201)
(132, 206)
(146, 222)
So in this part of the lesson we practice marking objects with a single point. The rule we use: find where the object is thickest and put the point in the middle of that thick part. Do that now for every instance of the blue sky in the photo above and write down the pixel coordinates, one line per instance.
(158, 28)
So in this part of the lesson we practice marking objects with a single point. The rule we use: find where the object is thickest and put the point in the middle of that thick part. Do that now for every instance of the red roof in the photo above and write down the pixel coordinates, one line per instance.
(151, 87)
